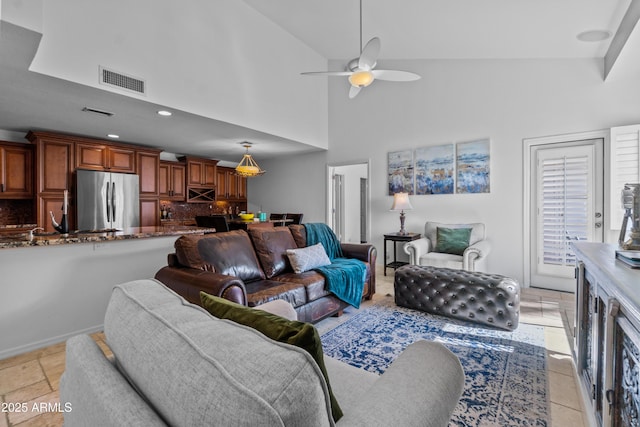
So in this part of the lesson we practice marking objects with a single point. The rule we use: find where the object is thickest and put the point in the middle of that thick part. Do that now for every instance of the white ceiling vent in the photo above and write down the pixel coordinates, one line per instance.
(122, 81)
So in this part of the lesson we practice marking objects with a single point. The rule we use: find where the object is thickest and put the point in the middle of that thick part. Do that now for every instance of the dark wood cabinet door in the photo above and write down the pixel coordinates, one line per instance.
(164, 187)
(177, 175)
(53, 203)
(195, 173)
(121, 159)
(148, 168)
(91, 156)
(149, 212)
(55, 165)
(222, 191)
(16, 172)
(209, 176)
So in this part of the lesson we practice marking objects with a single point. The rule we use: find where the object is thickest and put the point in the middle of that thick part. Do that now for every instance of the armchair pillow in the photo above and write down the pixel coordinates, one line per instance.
(452, 240)
(300, 334)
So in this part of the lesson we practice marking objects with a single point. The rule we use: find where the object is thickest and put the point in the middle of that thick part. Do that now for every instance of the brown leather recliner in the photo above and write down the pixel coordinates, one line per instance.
(251, 268)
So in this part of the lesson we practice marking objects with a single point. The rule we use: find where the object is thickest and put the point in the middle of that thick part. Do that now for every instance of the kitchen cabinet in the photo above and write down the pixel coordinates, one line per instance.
(148, 166)
(16, 171)
(104, 157)
(201, 172)
(201, 179)
(172, 181)
(229, 186)
(607, 335)
(149, 212)
(54, 167)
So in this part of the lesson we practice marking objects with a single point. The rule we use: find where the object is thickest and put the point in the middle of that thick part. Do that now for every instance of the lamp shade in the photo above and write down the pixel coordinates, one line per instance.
(401, 202)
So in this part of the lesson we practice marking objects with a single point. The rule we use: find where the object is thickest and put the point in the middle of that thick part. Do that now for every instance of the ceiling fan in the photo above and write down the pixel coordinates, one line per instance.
(361, 71)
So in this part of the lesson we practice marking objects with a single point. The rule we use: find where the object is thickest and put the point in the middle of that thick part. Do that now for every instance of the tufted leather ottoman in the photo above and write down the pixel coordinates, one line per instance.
(489, 299)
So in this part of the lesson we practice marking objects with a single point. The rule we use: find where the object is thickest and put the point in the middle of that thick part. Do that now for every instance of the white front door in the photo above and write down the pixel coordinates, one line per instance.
(566, 206)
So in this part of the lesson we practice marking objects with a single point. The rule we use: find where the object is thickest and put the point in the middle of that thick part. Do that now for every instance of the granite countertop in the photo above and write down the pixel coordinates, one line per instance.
(20, 240)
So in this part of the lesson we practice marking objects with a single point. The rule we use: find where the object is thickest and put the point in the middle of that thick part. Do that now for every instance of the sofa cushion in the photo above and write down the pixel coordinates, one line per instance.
(261, 291)
(195, 369)
(270, 245)
(312, 281)
(305, 259)
(187, 252)
(299, 233)
(231, 253)
(301, 334)
(452, 240)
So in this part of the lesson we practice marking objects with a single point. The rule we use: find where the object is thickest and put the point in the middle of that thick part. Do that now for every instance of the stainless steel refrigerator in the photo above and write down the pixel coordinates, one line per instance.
(107, 201)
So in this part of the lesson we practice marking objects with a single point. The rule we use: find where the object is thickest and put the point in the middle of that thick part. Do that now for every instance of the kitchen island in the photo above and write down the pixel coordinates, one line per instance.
(54, 287)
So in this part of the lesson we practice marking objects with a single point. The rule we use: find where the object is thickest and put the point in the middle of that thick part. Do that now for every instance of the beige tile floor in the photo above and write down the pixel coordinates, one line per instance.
(33, 378)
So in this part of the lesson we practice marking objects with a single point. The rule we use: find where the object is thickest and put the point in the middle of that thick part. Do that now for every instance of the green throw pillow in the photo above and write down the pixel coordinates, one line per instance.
(301, 334)
(452, 240)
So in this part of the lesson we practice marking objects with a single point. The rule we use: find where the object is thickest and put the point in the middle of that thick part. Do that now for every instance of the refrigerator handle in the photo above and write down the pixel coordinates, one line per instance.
(108, 205)
(113, 201)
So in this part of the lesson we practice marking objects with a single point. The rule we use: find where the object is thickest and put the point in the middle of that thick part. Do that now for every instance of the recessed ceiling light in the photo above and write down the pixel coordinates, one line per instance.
(113, 135)
(594, 35)
(165, 113)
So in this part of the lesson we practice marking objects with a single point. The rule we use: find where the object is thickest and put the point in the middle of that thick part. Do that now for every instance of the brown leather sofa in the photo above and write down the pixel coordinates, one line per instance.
(251, 268)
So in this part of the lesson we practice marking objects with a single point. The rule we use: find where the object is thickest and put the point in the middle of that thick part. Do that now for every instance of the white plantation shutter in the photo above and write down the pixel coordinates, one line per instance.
(564, 203)
(625, 166)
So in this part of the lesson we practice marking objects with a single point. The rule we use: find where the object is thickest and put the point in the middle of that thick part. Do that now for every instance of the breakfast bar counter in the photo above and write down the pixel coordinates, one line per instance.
(25, 239)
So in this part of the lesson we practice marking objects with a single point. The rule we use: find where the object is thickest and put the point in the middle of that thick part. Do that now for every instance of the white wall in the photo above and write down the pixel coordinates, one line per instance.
(219, 59)
(50, 293)
(457, 100)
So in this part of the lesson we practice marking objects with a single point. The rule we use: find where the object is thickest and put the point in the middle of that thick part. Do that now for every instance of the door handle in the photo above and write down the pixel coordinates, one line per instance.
(598, 224)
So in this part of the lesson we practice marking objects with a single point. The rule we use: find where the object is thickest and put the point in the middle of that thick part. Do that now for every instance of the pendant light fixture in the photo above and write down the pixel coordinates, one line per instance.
(248, 167)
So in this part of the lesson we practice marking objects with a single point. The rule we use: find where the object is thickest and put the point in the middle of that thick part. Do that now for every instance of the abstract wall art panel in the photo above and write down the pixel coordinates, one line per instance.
(400, 172)
(434, 170)
(473, 167)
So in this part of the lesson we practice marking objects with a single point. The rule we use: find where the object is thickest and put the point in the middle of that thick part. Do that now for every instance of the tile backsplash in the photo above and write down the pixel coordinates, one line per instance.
(184, 211)
(14, 212)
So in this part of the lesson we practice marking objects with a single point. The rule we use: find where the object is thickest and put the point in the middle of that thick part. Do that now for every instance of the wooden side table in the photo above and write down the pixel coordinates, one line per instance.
(395, 238)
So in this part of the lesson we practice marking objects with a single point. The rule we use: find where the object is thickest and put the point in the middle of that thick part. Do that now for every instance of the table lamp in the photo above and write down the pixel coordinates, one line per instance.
(400, 203)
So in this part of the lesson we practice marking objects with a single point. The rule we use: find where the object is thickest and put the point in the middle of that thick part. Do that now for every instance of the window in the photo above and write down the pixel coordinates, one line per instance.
(625, 166)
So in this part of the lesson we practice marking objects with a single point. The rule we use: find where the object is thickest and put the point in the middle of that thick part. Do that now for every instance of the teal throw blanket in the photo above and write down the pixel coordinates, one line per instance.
(344, 276)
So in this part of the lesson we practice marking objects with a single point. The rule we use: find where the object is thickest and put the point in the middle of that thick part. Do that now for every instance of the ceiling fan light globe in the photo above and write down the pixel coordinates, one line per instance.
(361, 78)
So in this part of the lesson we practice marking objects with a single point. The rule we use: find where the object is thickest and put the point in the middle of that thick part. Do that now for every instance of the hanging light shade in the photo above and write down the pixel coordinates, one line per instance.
(248, 167)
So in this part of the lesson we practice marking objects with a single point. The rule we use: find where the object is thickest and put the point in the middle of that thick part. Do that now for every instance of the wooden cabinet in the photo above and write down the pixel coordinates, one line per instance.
(16, 171)
(172, 181)
(148, 166)
(201, 172)
(55, 164)
(607, 335)
(104, 157)
(229, 186)
(201, 179)
(149, 212)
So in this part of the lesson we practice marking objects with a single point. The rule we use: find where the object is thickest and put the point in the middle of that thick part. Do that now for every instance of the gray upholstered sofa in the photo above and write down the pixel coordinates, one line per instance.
(175, 364)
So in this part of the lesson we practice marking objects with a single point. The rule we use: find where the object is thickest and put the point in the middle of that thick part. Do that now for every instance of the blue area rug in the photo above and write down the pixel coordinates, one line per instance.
(505, 372)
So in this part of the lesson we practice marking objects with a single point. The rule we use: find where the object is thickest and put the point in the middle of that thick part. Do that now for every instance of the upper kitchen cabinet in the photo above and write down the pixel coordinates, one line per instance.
(201, 172)
(54, 162)
(172, 181)
(148, 167)
(16, 171)
(201, 179)
(102, 157)
(229, 186)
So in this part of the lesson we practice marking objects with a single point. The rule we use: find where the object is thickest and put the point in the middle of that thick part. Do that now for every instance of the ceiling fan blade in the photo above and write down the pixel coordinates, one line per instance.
(327, 73)
(353, 91)
(369, 54)
(395, 75)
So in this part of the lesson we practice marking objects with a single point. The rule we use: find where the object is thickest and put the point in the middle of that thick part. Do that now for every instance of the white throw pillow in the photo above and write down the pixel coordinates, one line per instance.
(304, 259)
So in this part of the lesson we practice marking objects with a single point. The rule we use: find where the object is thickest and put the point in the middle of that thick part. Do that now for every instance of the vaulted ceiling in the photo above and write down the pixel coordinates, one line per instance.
(408, 29)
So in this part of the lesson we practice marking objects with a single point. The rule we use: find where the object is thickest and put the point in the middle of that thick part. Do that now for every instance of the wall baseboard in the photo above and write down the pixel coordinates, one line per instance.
(46, 343)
